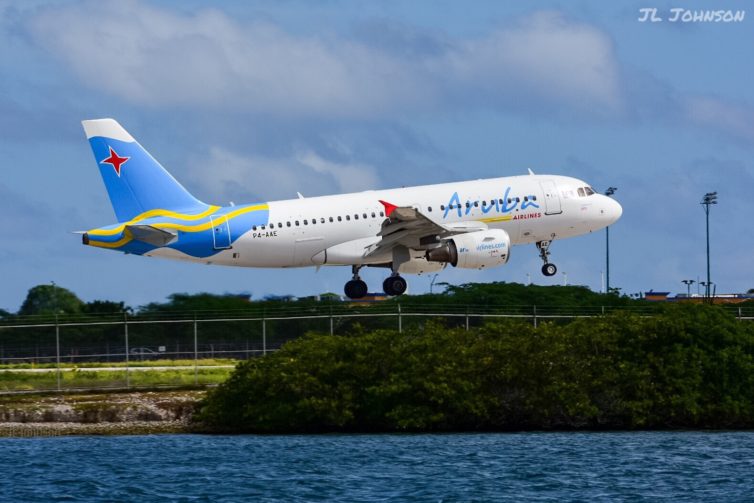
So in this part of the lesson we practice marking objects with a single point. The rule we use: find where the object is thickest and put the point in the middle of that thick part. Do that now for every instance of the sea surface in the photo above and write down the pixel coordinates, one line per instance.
(644, 466)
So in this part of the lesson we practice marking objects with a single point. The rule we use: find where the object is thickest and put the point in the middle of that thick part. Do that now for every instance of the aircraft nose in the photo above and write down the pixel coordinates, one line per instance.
(612, 210)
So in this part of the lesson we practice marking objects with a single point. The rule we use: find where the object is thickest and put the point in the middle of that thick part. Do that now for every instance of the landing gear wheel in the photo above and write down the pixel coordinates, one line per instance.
(355, 289)
(544, 253)
(394, 285)
(549, 269)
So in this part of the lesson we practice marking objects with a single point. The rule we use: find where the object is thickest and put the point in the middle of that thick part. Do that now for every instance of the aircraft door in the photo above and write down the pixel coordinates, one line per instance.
(220, 232)
(552, 198)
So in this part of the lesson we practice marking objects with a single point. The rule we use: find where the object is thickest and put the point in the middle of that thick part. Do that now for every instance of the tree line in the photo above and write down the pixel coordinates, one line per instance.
(689, 366)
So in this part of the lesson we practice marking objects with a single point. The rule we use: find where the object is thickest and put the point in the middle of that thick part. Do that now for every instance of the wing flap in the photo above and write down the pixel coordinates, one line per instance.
(407, 226)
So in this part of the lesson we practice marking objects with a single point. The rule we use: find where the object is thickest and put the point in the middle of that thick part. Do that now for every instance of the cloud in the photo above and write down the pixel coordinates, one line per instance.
(156, 57)
(227, 174)
(733, 119)
(545, 56)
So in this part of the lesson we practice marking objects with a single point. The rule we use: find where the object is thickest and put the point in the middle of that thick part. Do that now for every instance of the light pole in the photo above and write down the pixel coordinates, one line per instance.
(709, 198)
(432, 283)
(688, 283)
(609, 192)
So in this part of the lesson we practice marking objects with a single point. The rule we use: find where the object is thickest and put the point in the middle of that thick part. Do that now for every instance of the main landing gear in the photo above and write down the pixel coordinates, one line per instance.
(356, 288)
(544, 253)
(394, 285)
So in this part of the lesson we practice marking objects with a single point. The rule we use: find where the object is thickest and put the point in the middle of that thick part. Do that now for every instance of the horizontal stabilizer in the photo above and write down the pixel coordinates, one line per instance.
(151, 235)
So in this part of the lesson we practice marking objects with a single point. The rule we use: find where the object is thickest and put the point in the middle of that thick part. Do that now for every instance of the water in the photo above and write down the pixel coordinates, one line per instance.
(653, 466)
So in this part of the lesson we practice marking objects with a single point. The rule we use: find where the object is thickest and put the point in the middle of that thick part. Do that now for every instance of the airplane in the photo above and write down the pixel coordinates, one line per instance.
(411, 230)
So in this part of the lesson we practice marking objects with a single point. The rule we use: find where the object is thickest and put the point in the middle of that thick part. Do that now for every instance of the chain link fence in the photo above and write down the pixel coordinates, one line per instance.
(201, 348)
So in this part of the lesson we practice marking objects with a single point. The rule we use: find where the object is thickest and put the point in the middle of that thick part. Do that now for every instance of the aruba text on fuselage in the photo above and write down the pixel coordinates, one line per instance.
(411, 230)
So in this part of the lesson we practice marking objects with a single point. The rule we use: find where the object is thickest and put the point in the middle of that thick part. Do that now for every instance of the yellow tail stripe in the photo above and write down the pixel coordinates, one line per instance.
(169, 225)
(150, 214)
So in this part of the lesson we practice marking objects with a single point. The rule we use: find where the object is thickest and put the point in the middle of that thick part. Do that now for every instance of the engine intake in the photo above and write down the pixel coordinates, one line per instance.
(475, 250)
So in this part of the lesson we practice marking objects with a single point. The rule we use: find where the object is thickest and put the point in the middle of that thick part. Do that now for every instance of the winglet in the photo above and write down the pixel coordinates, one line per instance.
(389, 208)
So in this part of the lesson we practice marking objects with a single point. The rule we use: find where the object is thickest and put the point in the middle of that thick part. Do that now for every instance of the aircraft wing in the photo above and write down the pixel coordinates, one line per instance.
(409, 227)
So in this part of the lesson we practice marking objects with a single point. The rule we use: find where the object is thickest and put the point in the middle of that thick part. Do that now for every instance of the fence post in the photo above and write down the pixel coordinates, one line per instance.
(740, 316)
(332, 327)
(535, 316)
(57, 349)
(603, 310)
(400, 320)
(467, 319)
(125, 334)
(196, 352)
(264, 336)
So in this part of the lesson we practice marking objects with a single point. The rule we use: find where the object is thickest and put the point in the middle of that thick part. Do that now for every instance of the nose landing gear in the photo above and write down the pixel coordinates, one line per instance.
(548, 269)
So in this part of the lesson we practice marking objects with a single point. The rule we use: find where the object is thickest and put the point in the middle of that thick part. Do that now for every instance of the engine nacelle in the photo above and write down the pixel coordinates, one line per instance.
(475, 250)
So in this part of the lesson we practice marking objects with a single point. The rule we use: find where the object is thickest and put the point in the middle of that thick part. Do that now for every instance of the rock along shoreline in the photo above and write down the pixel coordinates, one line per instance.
(121, 413)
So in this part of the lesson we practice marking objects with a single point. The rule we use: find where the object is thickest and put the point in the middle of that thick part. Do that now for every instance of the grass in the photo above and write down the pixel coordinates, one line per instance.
(133, 363)
(73, 379)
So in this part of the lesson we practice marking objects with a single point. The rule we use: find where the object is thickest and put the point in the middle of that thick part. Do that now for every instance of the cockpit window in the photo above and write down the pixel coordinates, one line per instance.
(581, 192)
(589, 191)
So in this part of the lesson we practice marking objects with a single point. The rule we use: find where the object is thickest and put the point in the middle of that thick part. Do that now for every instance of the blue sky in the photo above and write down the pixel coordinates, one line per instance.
(253, 101)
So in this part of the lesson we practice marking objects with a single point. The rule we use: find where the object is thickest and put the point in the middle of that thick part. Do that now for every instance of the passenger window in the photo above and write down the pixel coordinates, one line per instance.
(340, 219)
(348, 217)
(314, 221)
(331, 219)
(501, 201)
(306, 222)
(476, 204)
(280, 226)
(322, 220)
(374, 215)
(253, 227)
(263, 227)
(533, 198)
(297, 224)
(355, 216)
(429, 208)
(365, 216)
(287, 224)
(442, 207)
(382, 214)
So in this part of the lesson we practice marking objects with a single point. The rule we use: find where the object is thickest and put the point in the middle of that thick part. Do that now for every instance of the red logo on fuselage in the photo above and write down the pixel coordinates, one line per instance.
(115, 160)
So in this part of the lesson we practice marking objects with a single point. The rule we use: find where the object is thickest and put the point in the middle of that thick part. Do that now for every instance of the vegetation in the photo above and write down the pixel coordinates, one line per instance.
(690, 366)
(90, 379)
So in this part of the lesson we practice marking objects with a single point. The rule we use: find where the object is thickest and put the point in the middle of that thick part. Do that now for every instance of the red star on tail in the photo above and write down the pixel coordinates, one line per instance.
(115, 160)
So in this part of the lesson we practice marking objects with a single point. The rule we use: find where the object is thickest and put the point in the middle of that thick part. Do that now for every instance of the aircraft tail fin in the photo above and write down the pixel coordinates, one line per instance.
(135, 181)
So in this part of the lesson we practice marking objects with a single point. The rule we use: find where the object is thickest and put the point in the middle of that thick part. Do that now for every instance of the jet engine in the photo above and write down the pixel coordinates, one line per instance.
(475, 250)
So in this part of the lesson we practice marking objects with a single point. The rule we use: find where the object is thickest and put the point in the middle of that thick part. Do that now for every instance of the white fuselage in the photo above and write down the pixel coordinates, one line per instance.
(337, 229)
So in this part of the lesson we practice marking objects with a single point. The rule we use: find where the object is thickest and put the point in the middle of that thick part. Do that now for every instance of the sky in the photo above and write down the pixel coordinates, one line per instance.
(254, 101)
